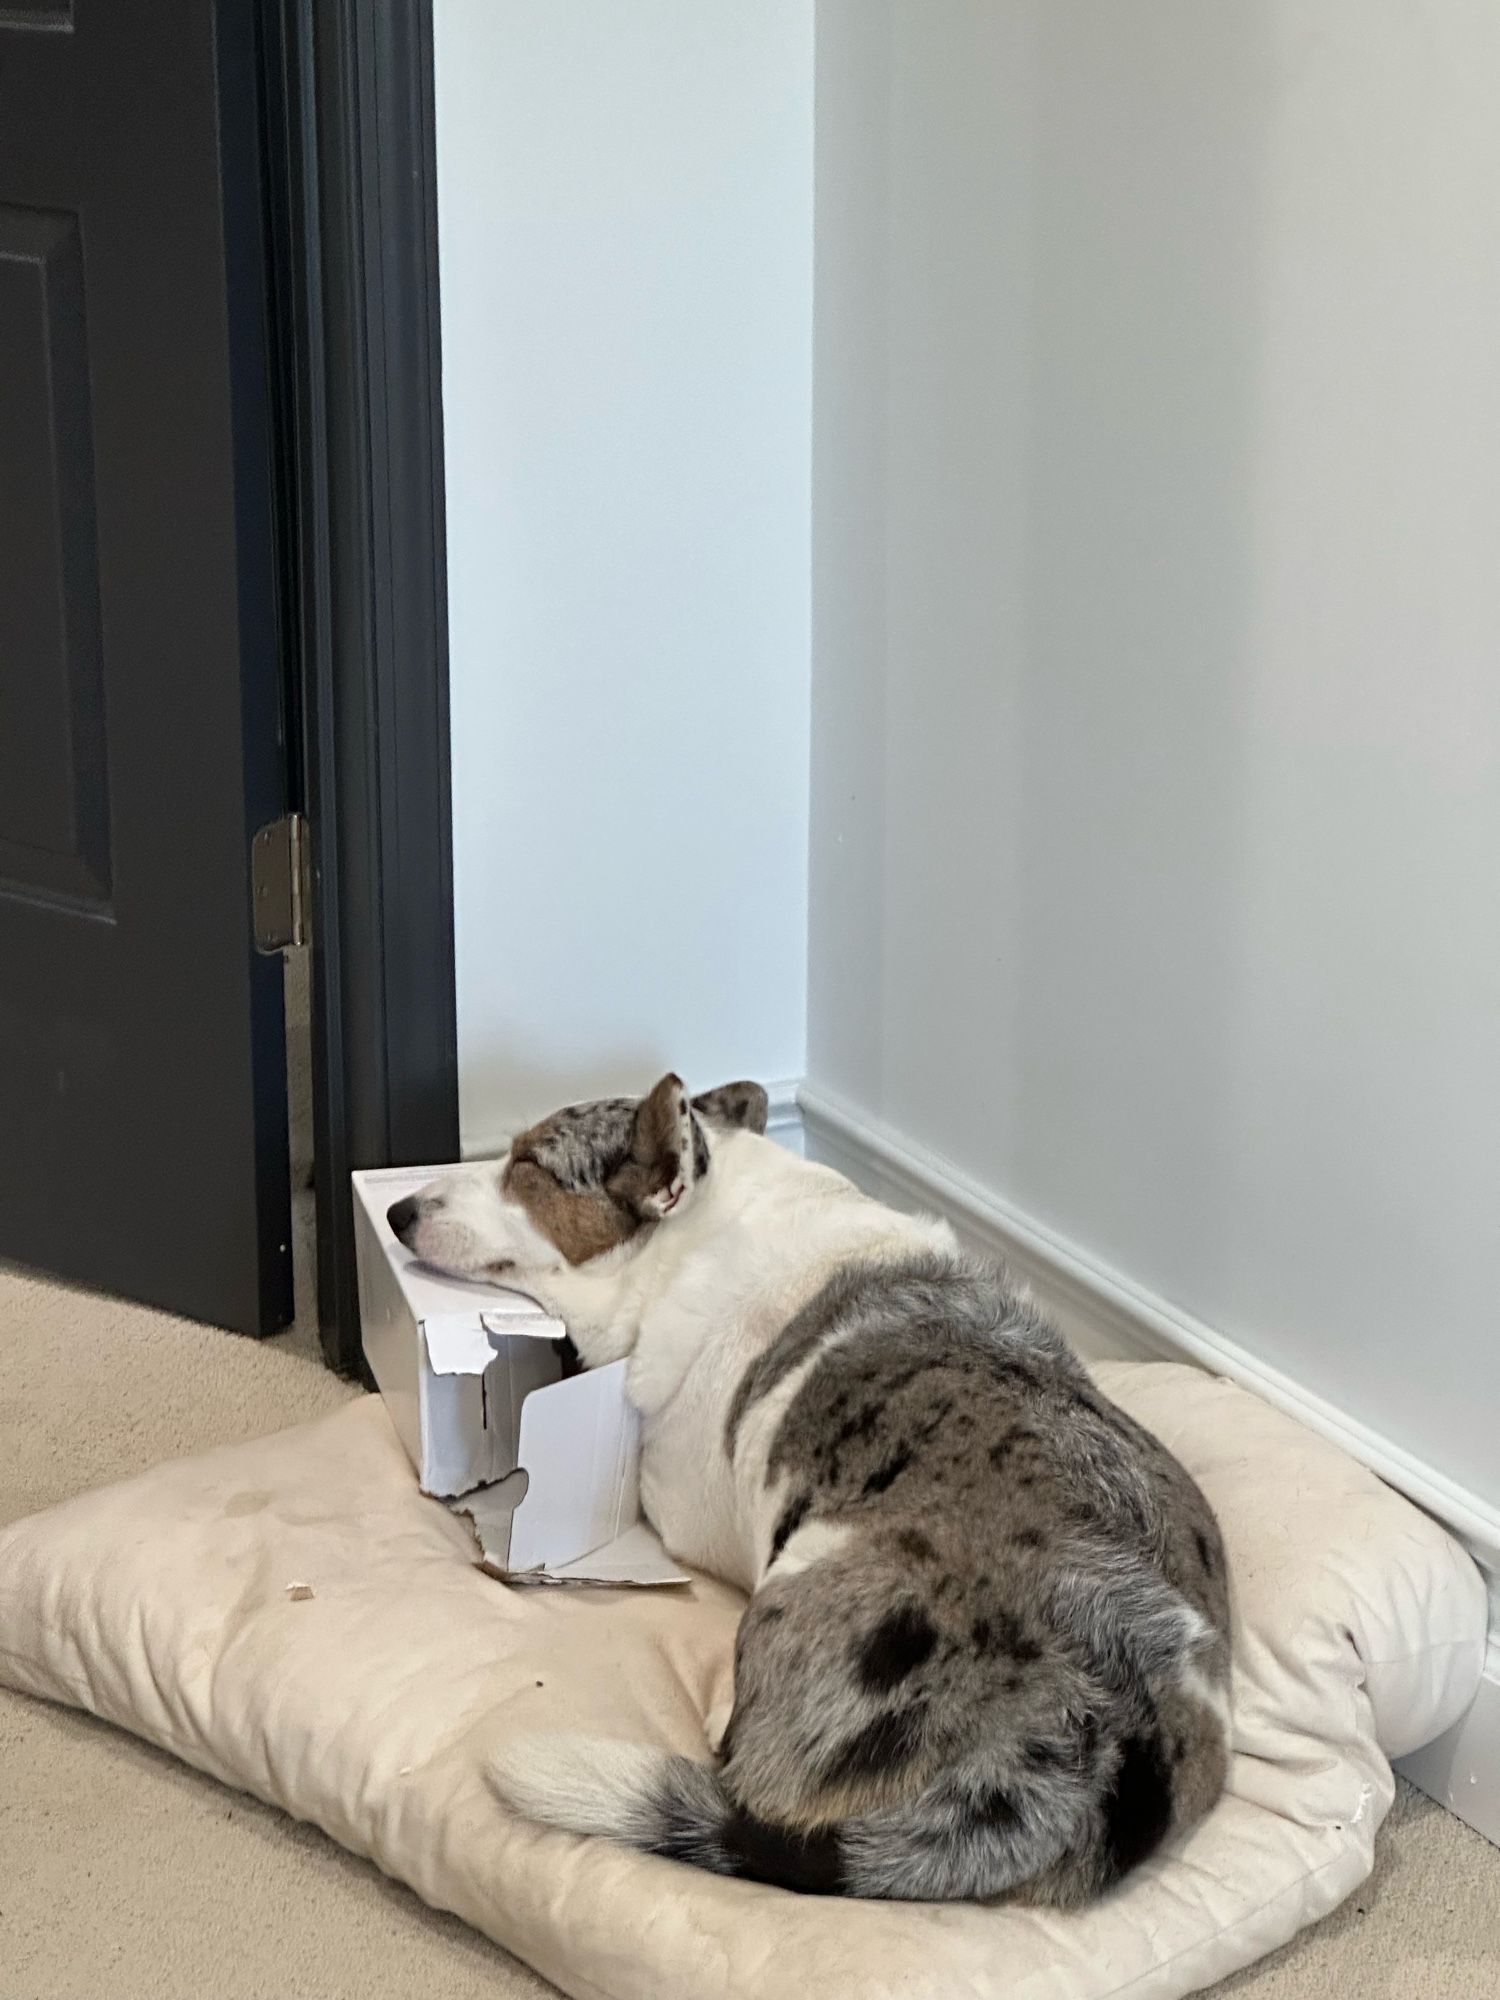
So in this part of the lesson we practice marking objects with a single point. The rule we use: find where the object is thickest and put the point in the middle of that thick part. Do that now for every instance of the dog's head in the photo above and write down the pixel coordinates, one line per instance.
(587, 1180)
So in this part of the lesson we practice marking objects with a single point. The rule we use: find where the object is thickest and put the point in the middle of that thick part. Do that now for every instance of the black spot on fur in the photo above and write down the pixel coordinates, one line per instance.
(1013, 1371)
(680, 1837)
(754, 1849)
(912, 1542)
(861, 1425)
(1044, 1756)
(1028, 1538)
(896, 1647)
(1004, 1634)
(770, 1614)
(1003, 1446)
(884, 1745)
(811, 1863)
(1205, 1552)
(996, 1807)
(1015, 1642)
(1138, 1805)
(789, 1523)
(886, 1475)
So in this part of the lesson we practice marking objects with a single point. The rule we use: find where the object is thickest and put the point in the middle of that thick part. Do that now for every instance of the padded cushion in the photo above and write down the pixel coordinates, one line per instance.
(371, 1707)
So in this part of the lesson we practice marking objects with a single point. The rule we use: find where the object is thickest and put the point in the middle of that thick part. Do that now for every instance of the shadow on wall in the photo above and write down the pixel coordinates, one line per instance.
(1154, 706)
(1129, 806)
(1034, 399)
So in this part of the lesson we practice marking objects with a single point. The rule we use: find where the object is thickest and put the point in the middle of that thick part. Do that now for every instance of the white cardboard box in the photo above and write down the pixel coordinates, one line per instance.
(545, 1464)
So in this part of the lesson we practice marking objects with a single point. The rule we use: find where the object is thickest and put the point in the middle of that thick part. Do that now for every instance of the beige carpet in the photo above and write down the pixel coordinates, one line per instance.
(125, 1876)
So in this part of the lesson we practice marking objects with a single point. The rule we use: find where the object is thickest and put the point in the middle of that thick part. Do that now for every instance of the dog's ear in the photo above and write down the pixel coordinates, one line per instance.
(659, 1175)
(744, 1104)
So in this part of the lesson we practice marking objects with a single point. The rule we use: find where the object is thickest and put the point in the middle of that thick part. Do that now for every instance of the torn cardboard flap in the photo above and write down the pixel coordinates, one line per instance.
(472, 1375)
(466, 1343)
(566, 1517)
(636, 1561)
(632, 1560)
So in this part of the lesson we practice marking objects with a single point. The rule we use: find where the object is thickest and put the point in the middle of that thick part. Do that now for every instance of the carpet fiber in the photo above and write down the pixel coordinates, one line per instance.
(125, 1875)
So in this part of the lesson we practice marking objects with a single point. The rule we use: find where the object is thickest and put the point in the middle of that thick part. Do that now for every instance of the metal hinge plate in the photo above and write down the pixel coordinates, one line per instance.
(278, 883)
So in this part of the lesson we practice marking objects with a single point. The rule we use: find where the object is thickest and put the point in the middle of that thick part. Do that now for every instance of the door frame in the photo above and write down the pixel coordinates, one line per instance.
(352, 172)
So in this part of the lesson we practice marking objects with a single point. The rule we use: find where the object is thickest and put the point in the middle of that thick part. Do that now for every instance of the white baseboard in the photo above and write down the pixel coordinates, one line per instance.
(784, 1121)
(1461, 1768)
(1105, 1313)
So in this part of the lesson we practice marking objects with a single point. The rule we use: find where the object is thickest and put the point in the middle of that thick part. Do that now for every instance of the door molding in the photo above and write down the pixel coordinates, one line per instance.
(360, 312)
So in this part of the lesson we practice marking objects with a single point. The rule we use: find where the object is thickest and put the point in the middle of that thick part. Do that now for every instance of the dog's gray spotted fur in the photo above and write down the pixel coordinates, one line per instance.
(997, 1686)
(584, 1145)
(801, 1337)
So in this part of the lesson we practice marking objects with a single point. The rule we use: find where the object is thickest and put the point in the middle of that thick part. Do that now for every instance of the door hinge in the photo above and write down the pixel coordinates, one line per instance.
(279, 883)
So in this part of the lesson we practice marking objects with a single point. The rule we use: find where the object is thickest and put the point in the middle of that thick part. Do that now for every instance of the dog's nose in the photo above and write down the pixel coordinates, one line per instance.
(401, 1215)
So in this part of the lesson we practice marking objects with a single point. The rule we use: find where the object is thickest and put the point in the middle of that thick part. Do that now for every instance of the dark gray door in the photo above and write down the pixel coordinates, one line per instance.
(142, 1060)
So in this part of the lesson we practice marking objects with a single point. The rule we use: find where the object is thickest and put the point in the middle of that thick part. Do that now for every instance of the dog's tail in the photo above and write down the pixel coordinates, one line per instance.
(664, 1805)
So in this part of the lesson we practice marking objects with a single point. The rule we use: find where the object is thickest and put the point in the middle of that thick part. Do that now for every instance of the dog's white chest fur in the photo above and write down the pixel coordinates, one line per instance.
(714, 1293)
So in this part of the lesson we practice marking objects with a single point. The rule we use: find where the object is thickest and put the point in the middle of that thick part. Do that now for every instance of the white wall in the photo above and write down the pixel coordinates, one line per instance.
(1156, 635)
(625, 221)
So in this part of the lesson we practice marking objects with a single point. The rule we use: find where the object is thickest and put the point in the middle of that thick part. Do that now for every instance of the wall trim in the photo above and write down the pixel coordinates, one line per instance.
(784, 1123)
(1459, 1768)
(1122, 1316)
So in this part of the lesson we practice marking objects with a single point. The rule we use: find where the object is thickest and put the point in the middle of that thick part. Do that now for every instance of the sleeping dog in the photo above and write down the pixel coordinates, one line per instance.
(986, 1651)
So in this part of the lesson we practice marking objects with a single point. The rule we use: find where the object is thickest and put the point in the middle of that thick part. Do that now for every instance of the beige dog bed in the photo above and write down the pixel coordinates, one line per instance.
(293, 1617)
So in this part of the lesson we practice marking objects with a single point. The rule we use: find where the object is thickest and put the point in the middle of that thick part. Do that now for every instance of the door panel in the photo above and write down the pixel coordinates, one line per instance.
(54, 817)
(142, 1062)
